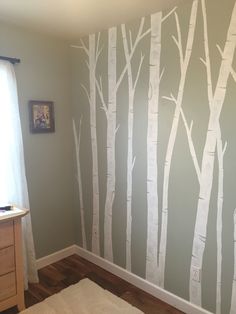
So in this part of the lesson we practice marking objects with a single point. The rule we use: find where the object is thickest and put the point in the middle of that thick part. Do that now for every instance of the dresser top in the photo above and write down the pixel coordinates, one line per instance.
(13, 213)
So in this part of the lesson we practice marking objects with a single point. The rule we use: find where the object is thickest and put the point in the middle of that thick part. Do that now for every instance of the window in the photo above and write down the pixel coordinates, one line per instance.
(13, 187)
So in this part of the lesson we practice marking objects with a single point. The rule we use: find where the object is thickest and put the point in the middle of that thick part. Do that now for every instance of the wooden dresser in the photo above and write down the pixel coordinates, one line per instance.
(11, 260)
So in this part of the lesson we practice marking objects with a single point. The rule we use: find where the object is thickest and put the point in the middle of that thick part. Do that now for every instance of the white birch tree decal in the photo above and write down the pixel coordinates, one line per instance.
(155, 76)
(220, 154)
(81, 201)
(233, 297)
(111, 134)
(208, 159)
(132, 83)
(184, 63)
(93, 53)
(93, 56)
(110, 110)
(152, 162)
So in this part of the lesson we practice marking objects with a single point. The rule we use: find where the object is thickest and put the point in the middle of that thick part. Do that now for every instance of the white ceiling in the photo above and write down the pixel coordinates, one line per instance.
(69, 19)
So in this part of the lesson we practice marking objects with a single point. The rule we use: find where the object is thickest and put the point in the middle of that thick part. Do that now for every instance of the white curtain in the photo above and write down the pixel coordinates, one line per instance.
(13, 184)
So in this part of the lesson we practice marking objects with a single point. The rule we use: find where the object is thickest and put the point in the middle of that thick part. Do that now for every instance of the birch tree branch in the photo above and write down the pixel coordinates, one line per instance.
(80, 124)
(138, 73)
(140, 31)
(98, 55)
(189, 136)
(232, 71)
(131, 40)
(224, 148)
(145, 34)
(220, 50)
(76, 46)
(178, 41)
(99, 89)
(161, 75)
(86, 92)
(171, 98)
(101, 85)
(87, 64)
(117, 128)
(98, 51)
(207, 56)
(168, 14)
(127, 55)
(139, 37)
(203, 61)
(98, 41)
(191, 145)
(82, 46)
(133, 163)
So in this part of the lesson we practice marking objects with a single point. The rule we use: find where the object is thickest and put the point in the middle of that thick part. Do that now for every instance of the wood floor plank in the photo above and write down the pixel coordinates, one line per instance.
(68, 271)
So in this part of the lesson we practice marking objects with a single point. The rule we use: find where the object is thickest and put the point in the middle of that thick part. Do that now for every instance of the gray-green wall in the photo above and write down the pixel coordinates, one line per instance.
(44, 74)
(183, 194)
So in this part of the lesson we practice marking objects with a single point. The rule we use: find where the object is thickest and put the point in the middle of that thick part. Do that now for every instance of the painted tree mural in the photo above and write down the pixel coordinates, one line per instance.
(184, 57)
(79, 179)
(93, 53)
(220, 154)
(208, 159)
(124, 71)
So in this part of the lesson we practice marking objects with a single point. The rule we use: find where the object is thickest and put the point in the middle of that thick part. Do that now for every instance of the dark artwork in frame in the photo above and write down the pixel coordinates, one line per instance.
(41, 116)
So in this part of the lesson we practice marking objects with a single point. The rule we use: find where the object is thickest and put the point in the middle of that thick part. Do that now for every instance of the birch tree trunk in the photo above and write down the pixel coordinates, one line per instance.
(152, 137)
(111, 132)
(81, 202)
(184, 63)
(208, 163)
(233, 298)
(93, 127)
(130, 151)
(130, 159)
(220, 153)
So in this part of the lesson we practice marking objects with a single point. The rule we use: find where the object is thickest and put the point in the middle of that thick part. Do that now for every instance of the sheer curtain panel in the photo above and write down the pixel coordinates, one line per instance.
(13, 184)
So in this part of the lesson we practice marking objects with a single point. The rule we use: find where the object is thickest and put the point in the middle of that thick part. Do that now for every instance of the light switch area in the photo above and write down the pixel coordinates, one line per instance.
(196, 273)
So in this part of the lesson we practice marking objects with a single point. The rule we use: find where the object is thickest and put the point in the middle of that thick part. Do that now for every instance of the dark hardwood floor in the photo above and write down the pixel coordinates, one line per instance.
(70, 270)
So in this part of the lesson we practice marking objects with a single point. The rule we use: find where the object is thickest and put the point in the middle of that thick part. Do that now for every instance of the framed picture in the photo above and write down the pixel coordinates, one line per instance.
(41, 116)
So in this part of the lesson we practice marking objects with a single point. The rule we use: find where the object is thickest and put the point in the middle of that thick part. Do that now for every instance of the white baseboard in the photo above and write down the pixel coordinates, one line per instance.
(55, 257)
(146, 286)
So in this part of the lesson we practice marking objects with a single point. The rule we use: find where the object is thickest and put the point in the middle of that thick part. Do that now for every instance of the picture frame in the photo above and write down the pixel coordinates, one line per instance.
(41, 116)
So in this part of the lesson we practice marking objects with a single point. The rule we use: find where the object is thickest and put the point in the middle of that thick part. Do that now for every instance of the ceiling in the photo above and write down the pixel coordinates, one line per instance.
(70, 19)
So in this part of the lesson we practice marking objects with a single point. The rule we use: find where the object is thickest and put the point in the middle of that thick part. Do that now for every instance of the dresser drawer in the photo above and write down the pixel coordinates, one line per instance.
(6, 234)
(7, 260)
(7, 286)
